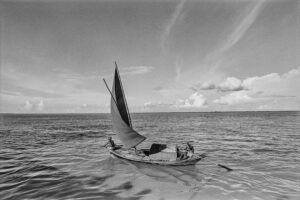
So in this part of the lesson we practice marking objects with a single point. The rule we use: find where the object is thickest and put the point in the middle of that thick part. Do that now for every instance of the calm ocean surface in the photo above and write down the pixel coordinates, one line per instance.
(59, 156)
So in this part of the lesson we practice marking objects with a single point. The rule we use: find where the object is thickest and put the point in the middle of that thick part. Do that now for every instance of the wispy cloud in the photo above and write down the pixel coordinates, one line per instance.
(15, 90)
(132, 70)
(15, 82)
(215, 57)
(178, 65)
(68, 74)
(73, 76)
(243, 26)
(135, 70)
(171, 23)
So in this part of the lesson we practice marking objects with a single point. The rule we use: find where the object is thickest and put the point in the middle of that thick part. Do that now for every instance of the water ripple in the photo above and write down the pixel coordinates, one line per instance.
(60, 157)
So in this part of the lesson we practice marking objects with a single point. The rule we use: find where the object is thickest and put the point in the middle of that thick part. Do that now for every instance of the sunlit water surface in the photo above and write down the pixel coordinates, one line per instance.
(60, 157)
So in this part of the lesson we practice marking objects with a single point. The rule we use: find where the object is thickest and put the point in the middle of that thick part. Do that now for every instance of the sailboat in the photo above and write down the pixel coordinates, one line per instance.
(160, 154)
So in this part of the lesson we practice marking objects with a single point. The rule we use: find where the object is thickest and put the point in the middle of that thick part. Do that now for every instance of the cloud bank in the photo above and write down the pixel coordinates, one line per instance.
(234, 98)
(270, 86)
(229, 84)
(196, 100)
(253, 92)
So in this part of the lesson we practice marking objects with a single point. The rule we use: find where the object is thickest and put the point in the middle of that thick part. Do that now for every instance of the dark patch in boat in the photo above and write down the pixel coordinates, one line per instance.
(156, 148)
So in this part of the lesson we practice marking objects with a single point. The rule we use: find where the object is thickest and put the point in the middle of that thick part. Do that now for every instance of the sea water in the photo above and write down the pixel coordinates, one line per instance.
(60, 156)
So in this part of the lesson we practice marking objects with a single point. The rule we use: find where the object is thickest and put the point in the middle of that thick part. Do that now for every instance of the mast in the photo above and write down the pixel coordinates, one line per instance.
(128, 114)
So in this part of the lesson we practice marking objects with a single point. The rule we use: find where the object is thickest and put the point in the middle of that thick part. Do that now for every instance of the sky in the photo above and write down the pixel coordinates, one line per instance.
(173, 56)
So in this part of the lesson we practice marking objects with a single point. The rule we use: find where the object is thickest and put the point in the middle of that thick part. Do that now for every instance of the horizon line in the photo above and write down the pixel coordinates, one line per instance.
(152, 112)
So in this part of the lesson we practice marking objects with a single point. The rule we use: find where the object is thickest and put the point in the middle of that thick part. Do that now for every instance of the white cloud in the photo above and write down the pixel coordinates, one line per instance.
(292, 73)
(34, 106)
(206, 86)
(274, 84)
(40, 105)
(234, 98)
(268, 87)
(196, 100)
(230, 84)
(147, 104)
(135, 70)
(257, 82)
(28, 105)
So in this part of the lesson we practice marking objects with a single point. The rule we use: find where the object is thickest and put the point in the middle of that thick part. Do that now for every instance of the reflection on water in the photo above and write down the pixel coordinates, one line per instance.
(60, 157)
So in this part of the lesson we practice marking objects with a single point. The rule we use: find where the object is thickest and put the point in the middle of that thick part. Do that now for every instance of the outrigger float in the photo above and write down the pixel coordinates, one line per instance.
(159, 154)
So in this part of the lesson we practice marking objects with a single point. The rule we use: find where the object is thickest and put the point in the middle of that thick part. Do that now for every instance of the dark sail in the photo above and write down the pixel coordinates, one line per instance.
(120, 115)
(120, 98)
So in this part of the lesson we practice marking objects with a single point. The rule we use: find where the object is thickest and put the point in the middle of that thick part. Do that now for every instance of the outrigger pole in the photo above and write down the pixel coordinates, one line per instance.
(110, 92)
(223, 166)
(229, 169)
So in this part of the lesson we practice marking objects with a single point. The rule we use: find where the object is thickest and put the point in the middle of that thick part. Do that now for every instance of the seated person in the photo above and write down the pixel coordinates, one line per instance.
(111, 143)
(190, 149)
(181, 155)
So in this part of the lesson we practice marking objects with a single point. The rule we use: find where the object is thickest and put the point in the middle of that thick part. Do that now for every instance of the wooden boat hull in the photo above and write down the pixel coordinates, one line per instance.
(125, 154)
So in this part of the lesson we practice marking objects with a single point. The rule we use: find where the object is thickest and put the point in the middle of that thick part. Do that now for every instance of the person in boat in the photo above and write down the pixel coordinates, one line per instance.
(181, 155)
(189, 149)
(177, 151)
(111, 143)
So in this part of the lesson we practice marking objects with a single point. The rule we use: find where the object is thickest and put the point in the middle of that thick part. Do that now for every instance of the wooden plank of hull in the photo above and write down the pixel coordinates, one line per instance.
(135, 158)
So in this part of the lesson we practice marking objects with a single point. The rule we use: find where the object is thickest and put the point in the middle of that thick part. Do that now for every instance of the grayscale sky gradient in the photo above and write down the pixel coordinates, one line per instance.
(173, 55)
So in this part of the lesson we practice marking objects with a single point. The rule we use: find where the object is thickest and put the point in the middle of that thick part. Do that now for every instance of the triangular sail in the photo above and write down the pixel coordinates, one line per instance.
(120, 115)
(120, 98)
